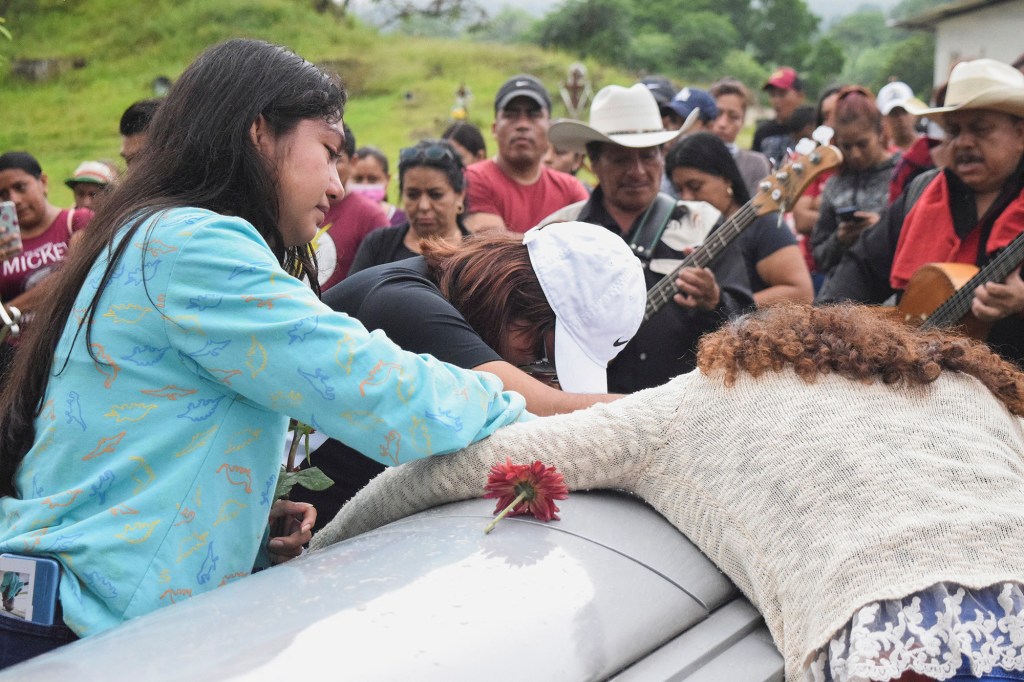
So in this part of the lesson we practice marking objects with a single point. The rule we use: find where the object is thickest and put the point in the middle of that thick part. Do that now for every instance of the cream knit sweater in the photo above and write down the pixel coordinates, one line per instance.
(815, 499)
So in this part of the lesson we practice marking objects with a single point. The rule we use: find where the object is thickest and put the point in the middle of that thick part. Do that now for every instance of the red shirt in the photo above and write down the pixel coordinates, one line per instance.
(488, 190)
(347, 222)
(40, 254)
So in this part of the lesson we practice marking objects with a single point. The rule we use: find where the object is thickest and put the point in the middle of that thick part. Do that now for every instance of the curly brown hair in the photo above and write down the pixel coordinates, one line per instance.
(857, 342)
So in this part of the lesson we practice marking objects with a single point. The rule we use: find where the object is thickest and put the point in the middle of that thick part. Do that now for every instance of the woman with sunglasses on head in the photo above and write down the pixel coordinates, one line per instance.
(702, 169)
(433, 190)
(142, 422)
(855, 195)
(563, 299)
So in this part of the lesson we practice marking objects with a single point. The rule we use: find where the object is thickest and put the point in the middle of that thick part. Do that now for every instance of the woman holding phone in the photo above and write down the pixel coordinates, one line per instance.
(853, 198)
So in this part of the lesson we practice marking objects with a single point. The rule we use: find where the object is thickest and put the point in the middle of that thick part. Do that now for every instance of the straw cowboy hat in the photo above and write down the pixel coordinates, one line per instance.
(980, 84)
(624, 116)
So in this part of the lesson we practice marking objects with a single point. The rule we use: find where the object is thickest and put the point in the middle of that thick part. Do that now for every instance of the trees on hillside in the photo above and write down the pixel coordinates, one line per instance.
(877, 52)
(696, 40)
(688, 38)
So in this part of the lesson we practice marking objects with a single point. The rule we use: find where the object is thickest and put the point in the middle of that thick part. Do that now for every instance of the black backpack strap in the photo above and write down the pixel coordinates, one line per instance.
(648, 233)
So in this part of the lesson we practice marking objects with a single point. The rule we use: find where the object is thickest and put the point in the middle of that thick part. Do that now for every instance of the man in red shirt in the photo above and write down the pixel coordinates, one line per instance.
(349, 220)
(515, 190)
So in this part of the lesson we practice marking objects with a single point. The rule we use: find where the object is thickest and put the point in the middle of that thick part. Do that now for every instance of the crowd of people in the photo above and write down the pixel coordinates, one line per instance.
(247, 268)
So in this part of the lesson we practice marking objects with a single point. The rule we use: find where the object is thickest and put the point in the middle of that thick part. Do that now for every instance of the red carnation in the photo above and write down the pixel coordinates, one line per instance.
(525, 488)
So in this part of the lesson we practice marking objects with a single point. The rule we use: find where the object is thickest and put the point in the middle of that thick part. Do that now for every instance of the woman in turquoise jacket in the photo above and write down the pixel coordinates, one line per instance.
(142, 424)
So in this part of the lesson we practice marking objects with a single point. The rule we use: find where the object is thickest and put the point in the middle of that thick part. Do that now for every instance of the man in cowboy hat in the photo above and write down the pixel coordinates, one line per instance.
(515, 189)
(624, 141)
(964, 213)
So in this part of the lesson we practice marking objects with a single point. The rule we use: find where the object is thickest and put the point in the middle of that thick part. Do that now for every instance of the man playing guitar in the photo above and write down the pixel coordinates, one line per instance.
(965, 213)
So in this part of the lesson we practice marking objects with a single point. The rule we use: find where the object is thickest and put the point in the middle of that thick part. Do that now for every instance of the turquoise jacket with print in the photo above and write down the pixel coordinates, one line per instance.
(154, 465)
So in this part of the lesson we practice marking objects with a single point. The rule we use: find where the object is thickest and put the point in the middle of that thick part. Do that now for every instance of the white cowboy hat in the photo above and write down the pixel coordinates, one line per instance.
(980, 84)
(624, 116)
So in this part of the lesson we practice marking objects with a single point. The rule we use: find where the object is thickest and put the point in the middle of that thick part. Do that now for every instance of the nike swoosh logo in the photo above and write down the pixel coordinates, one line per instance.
(620, 342)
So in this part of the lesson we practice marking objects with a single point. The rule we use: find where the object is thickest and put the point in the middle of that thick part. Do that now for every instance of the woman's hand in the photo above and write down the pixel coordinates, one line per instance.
(9, 246)
(293, 521)
(849, 230)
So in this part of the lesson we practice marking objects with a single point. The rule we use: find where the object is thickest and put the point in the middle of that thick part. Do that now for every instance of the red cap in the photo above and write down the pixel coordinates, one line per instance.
(784, 78)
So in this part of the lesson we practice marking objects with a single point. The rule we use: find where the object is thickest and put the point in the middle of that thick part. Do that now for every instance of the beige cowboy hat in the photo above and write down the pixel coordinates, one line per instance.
(980, 84)
(624, 116)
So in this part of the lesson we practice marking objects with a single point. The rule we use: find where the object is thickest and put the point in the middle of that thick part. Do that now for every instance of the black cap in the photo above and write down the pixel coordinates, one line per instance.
(661, 88)
(522, 85)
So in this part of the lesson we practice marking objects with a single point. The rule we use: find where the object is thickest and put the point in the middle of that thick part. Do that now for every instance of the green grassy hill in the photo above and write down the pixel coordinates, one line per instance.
(401, 89)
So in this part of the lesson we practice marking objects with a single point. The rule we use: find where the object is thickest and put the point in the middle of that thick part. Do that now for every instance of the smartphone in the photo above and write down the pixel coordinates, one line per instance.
(846, 213)
(9, 224)
(29, 587)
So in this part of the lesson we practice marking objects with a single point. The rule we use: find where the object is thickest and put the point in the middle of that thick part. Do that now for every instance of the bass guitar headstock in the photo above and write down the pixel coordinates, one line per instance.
(783, 186)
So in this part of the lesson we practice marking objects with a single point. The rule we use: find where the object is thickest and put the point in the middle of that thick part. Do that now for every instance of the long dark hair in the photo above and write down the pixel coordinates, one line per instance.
(468, 135)
(708, 154)
(199, 153)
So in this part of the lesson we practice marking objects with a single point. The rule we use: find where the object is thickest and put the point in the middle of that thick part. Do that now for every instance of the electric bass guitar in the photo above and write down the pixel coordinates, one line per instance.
(777, 192)
(939, 295)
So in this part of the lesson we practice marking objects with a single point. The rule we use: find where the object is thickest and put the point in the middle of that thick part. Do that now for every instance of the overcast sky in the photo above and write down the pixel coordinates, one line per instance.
(827, 9)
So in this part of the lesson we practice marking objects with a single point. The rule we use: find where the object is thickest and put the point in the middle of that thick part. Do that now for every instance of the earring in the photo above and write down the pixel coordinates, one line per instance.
(729, 190)
(459, 209)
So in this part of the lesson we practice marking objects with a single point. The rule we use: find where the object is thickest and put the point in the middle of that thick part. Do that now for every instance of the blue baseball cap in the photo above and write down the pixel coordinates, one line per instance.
(688, 99)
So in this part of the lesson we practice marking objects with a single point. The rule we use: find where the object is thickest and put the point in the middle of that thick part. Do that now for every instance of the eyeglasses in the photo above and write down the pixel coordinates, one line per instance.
(542, 370)
(431, 152)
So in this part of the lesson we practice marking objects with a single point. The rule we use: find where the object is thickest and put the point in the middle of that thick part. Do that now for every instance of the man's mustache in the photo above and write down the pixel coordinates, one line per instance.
(967, 158)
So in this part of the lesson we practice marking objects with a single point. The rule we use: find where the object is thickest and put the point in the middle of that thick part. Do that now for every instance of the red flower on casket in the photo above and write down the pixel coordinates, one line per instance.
(538, 484)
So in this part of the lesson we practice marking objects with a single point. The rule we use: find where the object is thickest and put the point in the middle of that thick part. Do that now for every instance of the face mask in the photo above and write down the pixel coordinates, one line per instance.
(375, 192)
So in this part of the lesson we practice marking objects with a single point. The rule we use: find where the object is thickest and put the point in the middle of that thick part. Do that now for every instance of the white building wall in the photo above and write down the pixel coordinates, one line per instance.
(995, 32)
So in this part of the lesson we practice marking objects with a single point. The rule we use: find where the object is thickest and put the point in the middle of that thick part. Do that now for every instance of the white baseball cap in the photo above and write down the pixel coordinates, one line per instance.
(896, 94)
(596, 288)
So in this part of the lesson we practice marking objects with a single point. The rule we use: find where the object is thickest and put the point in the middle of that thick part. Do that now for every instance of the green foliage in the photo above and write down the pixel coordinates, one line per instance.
(74, 116)
(590, 28)
(784, 32)
(702, 41)
(909, 60)
(686, 39)
(742, 65)
(862, 29)
(510, 25)
(905, 63)
(652, 52)
(877, 53)
(824, 63)
(310, 479)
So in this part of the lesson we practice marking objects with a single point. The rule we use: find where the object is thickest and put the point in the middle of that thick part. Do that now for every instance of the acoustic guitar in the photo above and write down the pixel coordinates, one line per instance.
(939, 295)
(777, 192)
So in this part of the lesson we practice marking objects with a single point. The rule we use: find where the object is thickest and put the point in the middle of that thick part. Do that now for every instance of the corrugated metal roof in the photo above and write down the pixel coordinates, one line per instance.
(947, 10)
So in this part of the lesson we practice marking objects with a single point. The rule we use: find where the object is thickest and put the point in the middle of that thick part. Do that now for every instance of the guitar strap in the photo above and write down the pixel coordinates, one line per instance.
(652, 225)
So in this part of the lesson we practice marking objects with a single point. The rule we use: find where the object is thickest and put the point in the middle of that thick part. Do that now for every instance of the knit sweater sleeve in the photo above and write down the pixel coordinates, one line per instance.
(605, 446)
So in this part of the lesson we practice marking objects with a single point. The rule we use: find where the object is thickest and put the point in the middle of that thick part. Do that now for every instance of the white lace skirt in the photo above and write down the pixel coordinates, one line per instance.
(935, 633)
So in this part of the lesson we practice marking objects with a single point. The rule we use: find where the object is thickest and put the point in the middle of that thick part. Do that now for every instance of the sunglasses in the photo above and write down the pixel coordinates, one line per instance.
(431, 152)
(542, 370)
